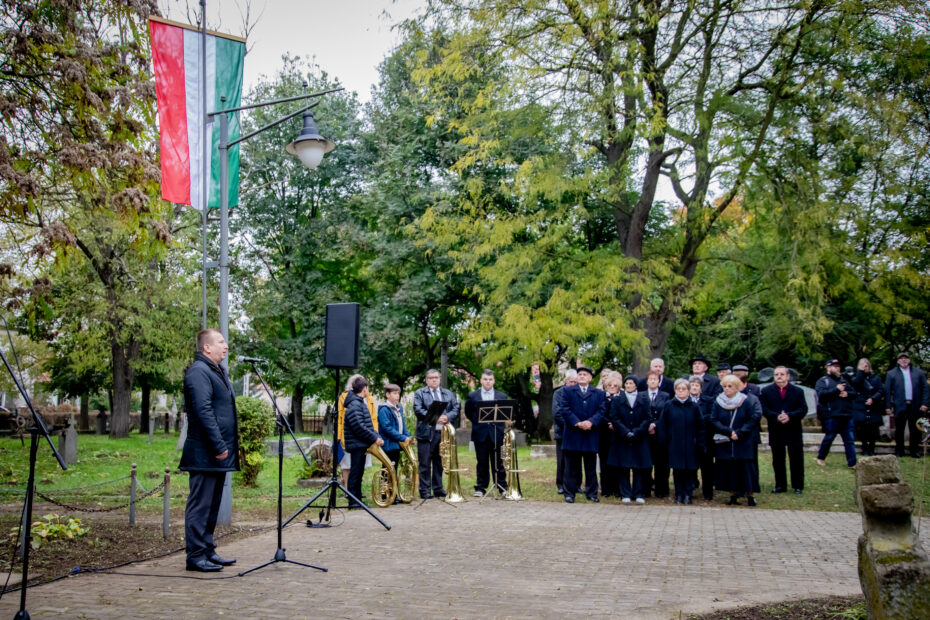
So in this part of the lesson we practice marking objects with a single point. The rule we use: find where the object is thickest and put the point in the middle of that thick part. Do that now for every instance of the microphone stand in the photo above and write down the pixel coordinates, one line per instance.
(38, 427)
(281, 422)
(333, 485)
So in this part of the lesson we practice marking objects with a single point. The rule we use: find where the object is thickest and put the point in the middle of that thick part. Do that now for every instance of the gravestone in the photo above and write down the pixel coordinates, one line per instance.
(151, 428)
(67, 443)
(894, 569)
(182, 437)
(100, 426)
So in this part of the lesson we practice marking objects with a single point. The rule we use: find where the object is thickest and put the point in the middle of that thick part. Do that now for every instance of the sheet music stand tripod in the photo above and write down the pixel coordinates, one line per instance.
(494, 412)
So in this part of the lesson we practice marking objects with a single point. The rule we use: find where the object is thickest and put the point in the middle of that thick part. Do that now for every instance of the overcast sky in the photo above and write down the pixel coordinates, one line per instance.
(348, 38)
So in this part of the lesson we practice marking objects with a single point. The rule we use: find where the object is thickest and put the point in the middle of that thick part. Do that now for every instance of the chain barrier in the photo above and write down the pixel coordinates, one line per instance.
(88, 486)
(110, 509)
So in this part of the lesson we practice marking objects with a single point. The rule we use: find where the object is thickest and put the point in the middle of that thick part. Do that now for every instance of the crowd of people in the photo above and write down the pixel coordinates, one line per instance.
(706, 429)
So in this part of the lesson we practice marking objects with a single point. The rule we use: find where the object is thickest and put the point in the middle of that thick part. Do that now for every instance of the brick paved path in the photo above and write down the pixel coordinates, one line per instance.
(495, 559)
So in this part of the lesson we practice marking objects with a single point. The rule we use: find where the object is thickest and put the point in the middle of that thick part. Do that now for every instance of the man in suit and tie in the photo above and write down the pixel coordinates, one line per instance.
(429, 436)
(784, 407)
(487, 436)
(906, 398)
(699, 366)
(583, 410)
(656, 399)
(666, 385)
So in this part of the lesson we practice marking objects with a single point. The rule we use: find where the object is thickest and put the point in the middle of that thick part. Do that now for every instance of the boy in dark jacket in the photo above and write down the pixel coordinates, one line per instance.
(360, 434)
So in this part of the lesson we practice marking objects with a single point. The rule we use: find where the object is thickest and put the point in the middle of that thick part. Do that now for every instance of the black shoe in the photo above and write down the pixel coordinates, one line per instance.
(560, 491)
(398, 500)
(569, 499)
(221, 561)
(751, 501)
(799, 491)
(679, 499)
(203, 565)
(779, 490)
(355, 506)
(592, 498)
(687, 500)
(425, 496)
(708, 498)
(439, 493)
(734, 501)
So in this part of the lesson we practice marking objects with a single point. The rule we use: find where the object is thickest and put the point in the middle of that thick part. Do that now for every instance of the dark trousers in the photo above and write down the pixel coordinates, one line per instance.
(394, 456)
(844, 428)
(573, 464)
(796, 457)
(684, 481)
(908, 418)
(488, 458)
(356, 472)
(559, 465)
(706, 459)
(867, 434)
(203, 505)
(640, 481)
(430, 464)
(660, 468)
(609, 474)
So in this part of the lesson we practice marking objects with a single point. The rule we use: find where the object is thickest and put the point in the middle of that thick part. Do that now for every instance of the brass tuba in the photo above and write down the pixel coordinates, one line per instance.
(384, 480)
(509, 457)
(408, 473)
(449, 456)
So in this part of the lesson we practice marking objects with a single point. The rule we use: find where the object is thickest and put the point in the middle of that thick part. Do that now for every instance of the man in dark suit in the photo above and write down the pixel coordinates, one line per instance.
(656, 399)
(784, 407)
(210, 450)
(699, 366)
(666, 385)
(487, 436)
(428, 437)
(835, 398)
(558, 427)
(906, 398)
(584, 409)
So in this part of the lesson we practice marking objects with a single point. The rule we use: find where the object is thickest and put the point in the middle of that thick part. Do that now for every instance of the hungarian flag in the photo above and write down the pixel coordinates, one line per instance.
(178, 86)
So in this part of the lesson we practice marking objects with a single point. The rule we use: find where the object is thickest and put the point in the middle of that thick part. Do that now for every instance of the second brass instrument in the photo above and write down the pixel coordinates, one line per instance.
(384, 480)
(449, 455)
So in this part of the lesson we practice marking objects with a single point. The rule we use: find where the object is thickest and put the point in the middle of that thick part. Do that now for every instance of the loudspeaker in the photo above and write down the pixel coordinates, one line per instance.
(340, 348)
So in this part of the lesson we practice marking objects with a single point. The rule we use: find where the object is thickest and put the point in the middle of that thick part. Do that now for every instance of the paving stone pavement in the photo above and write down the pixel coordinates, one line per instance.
(493, 559)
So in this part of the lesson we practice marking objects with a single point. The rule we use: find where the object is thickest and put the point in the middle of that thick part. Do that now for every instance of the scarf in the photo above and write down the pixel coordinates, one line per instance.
(682, 400)
(730, 403)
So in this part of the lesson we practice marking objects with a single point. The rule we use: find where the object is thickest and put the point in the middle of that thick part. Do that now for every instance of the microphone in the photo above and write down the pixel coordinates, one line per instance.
(253, 360)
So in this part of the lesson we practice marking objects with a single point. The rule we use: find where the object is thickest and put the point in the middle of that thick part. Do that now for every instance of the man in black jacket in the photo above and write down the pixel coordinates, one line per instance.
(558, 427)
(699, 366)
(428, 437)
(666, 385)
(907, 398)
(784, 407)
(210, 450)
(835, 396)
(360, 434)
(488, 437)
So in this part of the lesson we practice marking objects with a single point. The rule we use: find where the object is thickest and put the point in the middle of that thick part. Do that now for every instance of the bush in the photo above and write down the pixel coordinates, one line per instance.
(256, 423)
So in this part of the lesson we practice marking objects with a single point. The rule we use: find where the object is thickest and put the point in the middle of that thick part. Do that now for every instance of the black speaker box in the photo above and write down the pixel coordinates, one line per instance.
(340, 348)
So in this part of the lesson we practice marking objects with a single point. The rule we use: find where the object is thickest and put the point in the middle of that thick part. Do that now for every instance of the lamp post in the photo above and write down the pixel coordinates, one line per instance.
(309, 147)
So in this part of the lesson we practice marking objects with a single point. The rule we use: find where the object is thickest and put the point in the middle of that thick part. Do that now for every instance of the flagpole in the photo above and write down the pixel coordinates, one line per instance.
(204, 152)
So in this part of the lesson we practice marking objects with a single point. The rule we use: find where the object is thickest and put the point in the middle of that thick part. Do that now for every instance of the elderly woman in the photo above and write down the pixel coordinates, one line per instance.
(867, 407)
(610, 475)
(735, 419)
(630, 420)
(706, 404)
(681, 428)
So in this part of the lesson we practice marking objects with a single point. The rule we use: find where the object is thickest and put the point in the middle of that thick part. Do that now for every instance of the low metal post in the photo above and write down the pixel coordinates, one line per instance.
(132, 496)
(167, 504)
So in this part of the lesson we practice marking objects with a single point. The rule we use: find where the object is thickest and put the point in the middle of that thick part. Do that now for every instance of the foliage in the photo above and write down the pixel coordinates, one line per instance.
(51, 528)
(256, 423)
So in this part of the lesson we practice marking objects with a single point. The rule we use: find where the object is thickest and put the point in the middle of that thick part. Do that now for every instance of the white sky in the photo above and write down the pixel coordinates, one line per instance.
(347, 38)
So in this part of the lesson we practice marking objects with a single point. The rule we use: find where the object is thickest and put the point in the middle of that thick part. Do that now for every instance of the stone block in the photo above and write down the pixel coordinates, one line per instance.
(887, 500)
(877, 470)
(542, 451)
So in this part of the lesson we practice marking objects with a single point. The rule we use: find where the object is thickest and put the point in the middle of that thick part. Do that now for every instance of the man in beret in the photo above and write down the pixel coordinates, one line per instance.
(907, 399)
(583, 409)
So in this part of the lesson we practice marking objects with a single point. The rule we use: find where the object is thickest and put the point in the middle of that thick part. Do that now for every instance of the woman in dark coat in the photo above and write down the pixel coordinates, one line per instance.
(610, 475)
(630, 418)
(734, 421)
(681, 427)
(868, 406)
(706, 404)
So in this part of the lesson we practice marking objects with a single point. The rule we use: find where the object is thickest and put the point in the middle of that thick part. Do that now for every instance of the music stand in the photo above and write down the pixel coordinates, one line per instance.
(494, 412)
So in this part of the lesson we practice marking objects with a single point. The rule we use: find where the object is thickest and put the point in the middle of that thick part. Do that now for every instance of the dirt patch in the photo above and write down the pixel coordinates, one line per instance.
(832, 608)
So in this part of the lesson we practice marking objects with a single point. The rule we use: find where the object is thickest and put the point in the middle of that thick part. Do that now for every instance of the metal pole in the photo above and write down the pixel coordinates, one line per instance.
(225, 515)
(132, 496)
(205, 153)
(166, 507)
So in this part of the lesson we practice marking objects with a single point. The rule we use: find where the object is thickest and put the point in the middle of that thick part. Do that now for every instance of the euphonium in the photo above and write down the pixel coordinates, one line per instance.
(408, 473)
(509, 457)
(449, 455)
(384, 480)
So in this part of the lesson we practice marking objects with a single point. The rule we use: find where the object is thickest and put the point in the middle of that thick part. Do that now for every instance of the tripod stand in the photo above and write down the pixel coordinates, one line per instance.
(38, 427)
(333, 484)
(281, 422)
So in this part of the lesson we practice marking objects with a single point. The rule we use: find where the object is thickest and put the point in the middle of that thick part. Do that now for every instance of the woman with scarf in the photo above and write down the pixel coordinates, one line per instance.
(630, 418)
(681, 427)
(734, 419)
(610, 475)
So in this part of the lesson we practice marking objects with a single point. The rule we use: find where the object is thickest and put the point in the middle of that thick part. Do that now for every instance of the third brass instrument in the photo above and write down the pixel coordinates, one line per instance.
(408, 473)
(449, 455)
(509, 458)
(384, 480)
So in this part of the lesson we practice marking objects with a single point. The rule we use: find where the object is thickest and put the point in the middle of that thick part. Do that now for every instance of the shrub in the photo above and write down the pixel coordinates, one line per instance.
(256, 423)
(51, 528)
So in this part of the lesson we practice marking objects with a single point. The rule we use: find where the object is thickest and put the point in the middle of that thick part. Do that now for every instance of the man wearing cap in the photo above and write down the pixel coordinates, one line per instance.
(907, 398)
(558, 427)
(699, 366)
(723, 369)
(742, 372)
(583, 410)
(835, 397)
(666, 385)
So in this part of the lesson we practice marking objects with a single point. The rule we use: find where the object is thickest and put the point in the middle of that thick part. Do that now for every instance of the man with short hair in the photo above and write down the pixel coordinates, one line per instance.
(558, 427)
(584, 409)
(784, 407)
(360, 434)
(488, 437)
(835, 397)
(655, 399)
(429, 436)
(666, 385)
(906, 399)
(742, 373)
(210, 450)
(699, 366)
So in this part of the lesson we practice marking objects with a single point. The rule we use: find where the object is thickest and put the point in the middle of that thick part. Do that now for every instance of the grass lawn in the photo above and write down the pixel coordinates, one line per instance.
(101, 459)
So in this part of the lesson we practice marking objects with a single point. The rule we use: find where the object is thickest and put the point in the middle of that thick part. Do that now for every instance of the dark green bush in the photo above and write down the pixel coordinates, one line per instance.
(256, 423)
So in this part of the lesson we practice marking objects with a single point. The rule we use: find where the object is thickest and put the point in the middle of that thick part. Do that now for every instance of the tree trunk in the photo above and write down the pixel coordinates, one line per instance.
(297, 407)
(444, 363)
(544, 401)
(84, 417)
(122, 389)
(145, 413)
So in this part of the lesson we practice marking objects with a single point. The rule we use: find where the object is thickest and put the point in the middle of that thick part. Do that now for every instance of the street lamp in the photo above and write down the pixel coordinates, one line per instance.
(310, 146)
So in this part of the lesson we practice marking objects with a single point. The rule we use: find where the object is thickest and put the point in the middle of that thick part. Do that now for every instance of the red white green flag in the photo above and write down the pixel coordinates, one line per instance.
(178, 66)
